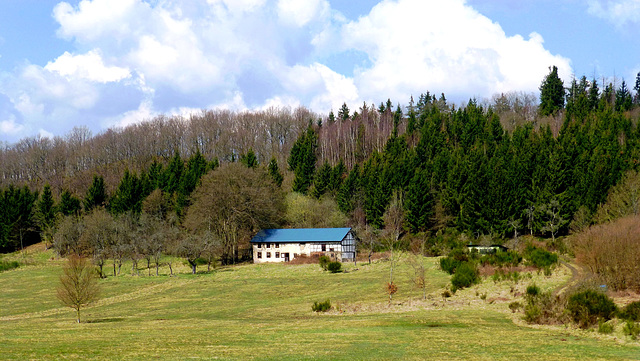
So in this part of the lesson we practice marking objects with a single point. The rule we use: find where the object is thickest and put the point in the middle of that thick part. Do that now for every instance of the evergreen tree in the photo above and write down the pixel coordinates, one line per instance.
(249, 160)
(128, 196)
(347, 197)
(420, 202)
(551, 93)
(302, 160)
(624, 100)
(343, 113)
(322, 180)
(172, 175)
(46, 209)
(69, 204)
(337, 175)
(594, 94)
(274, 172)
(96, 194)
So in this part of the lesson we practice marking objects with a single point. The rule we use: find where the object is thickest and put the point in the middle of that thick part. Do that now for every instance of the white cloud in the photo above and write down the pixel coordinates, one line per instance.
(87, 66)
(618, 12)
(443, 46)
(300, 13)
(130, 60)
(10, 127)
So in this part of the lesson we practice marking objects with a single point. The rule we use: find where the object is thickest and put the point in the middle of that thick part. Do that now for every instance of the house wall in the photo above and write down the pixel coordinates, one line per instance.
(333, 249)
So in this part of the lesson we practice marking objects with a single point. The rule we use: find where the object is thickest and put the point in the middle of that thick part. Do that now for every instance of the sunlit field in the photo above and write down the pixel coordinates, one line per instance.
(261, 312)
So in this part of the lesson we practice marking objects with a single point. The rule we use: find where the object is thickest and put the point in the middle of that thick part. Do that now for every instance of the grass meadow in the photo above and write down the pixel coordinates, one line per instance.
(263, 312)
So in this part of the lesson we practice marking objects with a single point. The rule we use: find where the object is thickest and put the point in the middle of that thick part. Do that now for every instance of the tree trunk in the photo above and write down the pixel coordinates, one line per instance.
(78, 314)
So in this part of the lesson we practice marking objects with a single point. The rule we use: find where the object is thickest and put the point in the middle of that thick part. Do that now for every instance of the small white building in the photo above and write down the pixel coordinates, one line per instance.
(283, 245)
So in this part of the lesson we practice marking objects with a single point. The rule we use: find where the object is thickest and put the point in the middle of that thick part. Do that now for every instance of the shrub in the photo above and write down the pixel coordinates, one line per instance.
(515, 306)
(449, 264)
(631, 329)
(8, 265)
(604, 327)
(631, 312)
(502, 259)
(334, 267)
(543, 308)
(321, 306)
(533, 290)
(612, 251)
(324, 261)
(587, 307)
(465, 276)
(540, 258)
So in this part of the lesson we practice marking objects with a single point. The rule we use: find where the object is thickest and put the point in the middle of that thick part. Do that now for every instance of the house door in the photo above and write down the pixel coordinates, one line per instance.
(286, 257)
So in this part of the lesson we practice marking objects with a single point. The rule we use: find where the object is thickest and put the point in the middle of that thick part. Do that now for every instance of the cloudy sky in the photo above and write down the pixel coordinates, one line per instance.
(106, 63)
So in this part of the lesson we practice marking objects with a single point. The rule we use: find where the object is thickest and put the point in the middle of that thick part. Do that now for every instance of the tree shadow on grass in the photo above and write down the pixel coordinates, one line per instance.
(105, 320)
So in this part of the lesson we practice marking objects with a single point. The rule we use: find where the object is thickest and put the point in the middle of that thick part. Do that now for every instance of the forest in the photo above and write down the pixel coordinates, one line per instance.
(200, 187)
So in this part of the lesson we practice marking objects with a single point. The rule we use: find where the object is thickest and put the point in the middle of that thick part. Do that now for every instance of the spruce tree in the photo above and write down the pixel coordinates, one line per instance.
(249, 160)
(69, 205)
(551, 93)
(274, 172)
(96, 194)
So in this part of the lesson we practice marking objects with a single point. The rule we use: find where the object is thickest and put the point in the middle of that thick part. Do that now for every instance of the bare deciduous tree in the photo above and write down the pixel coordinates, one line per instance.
(78, 284)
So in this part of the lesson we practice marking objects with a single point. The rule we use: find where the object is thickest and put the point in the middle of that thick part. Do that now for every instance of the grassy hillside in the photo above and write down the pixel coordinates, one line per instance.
(263, 312)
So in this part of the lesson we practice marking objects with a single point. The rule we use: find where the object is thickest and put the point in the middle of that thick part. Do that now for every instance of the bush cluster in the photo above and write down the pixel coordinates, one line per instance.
(321, 306)
(8, 265)
(466, 275)
(334, 267)
(509, 258)
(324, 261)
(539, 257)
(586, 308)
(631, 312)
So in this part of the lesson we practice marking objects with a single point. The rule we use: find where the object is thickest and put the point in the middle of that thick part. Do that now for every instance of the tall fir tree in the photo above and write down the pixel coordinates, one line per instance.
(551, 93)
(96, 194)
(274, 172)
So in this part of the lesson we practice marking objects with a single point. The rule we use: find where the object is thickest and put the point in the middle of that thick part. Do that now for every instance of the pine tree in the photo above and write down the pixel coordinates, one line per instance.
(128, 195)
(96, 194)
(343, 113)
(420, 202)
(249, 160)
(69, 205)
(46, 208)
(173, 174)
(551, 93)
(624, 100)
(274, 172)
(322, 180)
(302, 160)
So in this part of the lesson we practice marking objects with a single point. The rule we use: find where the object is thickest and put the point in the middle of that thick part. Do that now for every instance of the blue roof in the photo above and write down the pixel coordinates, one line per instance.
(301, 235)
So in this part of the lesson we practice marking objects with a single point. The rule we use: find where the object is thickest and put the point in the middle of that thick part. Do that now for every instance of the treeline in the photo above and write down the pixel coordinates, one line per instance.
(449, 167)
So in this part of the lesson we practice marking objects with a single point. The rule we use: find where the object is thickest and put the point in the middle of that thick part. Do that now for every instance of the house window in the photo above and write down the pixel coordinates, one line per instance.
(331, 249)
(277, 245)
(259, 254)
(324, 248)
(268, 254)
(277, 254)
(268, 245)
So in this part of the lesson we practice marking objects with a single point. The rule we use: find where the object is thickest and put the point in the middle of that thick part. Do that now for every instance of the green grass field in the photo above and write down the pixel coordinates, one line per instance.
(262, 312)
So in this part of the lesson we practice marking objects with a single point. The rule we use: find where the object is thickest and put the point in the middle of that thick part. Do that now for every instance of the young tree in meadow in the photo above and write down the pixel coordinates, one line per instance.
(394, 219)
(78, 284)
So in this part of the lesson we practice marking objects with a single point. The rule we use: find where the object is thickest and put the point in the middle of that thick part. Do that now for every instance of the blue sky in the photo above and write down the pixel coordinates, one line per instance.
(110, 63)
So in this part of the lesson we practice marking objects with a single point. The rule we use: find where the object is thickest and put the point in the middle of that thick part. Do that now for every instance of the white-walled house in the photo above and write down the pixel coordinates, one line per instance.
(283, 245)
